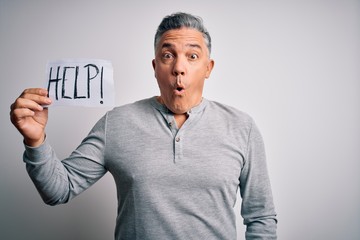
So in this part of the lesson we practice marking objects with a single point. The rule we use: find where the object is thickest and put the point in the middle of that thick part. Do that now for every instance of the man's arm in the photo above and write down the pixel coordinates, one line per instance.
(57, 181)
(257, 208)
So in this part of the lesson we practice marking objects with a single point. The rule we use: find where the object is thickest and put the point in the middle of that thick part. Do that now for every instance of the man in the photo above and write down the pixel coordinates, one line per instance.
(177, 159)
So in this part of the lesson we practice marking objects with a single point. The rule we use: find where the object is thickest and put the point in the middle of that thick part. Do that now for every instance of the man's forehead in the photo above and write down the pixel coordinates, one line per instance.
(188, 36)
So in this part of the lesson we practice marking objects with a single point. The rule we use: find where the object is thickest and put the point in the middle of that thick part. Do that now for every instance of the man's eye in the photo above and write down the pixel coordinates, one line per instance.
(167, 55)
(194, 56)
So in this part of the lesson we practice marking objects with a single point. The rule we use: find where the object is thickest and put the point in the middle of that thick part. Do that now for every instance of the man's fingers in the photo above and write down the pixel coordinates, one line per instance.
(31, 100)
(40, 99)
(19, 113)
(38, 95)
(37, 91)
(33, 103)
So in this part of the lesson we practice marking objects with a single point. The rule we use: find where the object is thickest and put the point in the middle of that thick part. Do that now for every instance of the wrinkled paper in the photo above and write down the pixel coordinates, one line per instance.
(80, 82)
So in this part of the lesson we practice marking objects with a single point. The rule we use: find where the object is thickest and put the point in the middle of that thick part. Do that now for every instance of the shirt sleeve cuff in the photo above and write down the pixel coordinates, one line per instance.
(37, 155)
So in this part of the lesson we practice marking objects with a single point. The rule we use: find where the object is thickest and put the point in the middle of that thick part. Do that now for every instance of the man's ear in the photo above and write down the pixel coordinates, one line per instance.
(153, 63)
(210, 67)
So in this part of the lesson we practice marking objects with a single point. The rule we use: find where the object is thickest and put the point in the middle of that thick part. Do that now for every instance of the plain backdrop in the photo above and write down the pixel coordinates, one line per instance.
(293, 65)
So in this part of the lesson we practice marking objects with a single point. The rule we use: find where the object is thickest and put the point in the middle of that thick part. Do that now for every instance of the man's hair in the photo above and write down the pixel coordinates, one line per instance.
(179, 20)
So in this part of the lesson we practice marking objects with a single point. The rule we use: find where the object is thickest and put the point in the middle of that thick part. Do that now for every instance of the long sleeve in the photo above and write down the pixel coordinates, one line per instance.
(59, 181)
(257, 202)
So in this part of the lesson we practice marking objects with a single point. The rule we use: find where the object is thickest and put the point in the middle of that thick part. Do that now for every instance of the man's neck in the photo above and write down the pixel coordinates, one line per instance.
(180, 119)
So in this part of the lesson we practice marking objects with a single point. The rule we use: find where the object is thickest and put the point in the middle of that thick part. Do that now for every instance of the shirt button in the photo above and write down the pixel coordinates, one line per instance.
(177, 139)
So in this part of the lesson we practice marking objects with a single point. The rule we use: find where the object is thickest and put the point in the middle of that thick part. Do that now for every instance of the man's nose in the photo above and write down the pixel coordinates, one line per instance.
(179, 66)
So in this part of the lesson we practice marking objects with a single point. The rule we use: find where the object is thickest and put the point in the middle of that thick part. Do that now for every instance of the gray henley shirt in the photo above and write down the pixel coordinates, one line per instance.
(171, 183)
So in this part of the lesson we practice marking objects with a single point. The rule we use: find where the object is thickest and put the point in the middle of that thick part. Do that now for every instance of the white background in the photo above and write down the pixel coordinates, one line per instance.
(294, 66)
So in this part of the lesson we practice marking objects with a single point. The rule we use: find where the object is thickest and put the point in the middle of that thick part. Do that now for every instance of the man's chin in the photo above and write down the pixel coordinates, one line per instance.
(177, 105)
(178, 109)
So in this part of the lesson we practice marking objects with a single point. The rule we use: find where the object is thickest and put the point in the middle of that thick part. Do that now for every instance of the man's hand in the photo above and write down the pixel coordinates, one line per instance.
(29, 116)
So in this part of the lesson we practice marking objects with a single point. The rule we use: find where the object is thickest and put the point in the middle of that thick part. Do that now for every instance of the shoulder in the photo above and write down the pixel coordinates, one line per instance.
(229, 114)
(232, 123)
(136, 108)
(129, 114)
(140, 104)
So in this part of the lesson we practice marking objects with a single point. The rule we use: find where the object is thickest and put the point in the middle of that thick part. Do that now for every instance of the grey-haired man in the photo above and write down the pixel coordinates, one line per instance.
(178, 159)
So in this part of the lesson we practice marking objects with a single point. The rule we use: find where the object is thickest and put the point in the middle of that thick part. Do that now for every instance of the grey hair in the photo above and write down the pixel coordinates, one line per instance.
(179, 20)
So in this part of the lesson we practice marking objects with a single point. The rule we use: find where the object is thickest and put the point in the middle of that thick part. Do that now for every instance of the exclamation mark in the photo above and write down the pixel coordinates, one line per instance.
(101, 85)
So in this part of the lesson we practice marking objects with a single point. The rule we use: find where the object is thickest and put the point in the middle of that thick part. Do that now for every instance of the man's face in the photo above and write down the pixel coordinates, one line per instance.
(181, 66)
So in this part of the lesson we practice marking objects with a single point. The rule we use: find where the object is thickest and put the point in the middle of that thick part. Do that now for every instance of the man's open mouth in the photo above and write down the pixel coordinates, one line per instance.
(179, 90)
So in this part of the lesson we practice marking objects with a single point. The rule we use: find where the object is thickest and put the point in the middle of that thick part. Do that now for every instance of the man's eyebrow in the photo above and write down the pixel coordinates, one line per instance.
(167, 45)
(192, 45)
